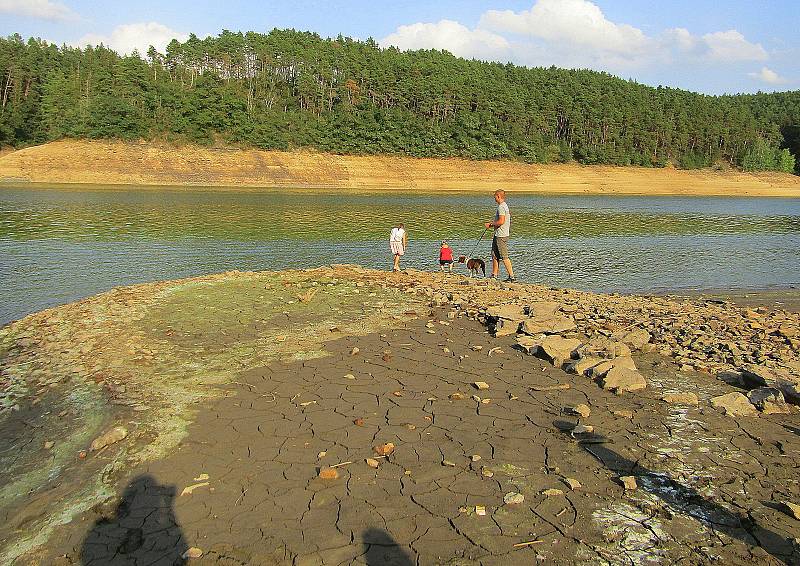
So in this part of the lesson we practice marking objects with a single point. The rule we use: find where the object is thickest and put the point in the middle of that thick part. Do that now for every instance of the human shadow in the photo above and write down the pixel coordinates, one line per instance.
(380, 549)
(143, 529)
(688, 501)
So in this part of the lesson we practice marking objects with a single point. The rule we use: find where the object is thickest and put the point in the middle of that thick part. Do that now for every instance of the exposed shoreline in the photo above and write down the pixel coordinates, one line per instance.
(114, 163)
(236, 390)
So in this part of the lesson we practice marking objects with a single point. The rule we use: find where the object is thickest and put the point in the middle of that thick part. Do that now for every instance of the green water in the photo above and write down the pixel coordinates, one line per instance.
(59, 245)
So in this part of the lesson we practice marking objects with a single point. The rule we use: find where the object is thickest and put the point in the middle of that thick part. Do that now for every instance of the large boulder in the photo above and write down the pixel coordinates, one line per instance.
(734, 405)
(557, 349)
(621, 379)
(557, 324)
(554, 348)
(783, 380)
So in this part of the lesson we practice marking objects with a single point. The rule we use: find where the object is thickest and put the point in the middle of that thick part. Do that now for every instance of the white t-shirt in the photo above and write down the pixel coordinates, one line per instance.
(397, 235)
(503, 230)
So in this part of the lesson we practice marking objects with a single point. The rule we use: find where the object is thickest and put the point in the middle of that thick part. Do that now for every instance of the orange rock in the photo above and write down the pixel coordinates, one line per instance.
(328, 474)
(384, 449)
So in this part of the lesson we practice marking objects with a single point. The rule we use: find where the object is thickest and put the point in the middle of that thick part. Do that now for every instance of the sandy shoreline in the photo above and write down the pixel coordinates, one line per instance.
(148, 164)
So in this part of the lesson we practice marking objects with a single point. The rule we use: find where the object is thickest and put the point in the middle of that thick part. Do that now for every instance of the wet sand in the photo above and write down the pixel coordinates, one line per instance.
(242, 485)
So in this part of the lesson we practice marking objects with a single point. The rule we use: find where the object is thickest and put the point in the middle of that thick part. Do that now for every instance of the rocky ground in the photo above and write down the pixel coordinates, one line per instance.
(400, 418)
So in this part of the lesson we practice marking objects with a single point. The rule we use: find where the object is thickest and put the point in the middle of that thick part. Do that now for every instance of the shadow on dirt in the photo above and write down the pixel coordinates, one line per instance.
(143, 530)
(380, 549)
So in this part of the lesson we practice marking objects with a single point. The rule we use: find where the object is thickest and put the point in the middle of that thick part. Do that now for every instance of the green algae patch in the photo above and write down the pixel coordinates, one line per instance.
(145, 358)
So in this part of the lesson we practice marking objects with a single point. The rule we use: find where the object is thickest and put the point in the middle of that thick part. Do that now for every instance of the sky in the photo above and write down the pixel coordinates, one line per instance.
(707, 46)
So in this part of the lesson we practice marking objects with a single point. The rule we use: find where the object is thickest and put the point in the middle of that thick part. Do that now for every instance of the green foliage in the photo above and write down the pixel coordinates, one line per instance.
(785, 161)
(289, 89)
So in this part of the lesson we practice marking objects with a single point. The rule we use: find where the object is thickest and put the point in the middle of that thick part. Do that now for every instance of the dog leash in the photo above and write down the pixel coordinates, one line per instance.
(477, 243)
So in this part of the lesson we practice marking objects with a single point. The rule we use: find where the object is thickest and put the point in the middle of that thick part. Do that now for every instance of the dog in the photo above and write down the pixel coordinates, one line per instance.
(474, 264)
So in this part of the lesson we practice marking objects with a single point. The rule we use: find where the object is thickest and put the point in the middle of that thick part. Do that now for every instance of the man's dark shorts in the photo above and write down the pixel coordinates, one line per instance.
(500, 247)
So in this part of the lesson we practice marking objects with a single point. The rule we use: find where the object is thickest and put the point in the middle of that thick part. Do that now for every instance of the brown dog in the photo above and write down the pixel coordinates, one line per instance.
(474, 264)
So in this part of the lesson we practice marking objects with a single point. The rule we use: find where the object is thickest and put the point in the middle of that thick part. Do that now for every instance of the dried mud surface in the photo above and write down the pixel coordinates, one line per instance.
(240, 483)
(112, 163)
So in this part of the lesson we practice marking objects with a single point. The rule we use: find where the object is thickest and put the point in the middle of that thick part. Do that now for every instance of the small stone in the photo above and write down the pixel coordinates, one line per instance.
(457, 396)
(429, 325)
(513, 498)
(552, 492)
(629, 482)
(486, 401)
(582, 429)
(448, 463)
(623, 413)
(397, 393)
(475, 457)
(82, 454)
(193, 552)
(431, 331)
(349, 376)
(681, 398)
(487, 473)
(355, 351)
(410, 426)
(572, 483)
(582, 409)
(112, 436)
(477, 348)
(328, 473)
(322, 454)
(384, 449)
(358, 422)
(49, 444)
(372, 463)
(482, 385)
(480, 510)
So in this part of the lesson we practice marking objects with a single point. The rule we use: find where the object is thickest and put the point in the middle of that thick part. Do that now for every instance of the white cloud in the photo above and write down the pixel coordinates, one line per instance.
(577, 34)
(767, 75)
(731, 46)
(450, 36)
(579, 23)
(139, 36)
(42, 9)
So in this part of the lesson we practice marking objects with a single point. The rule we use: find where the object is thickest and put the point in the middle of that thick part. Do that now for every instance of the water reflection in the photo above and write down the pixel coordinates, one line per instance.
(60, 245)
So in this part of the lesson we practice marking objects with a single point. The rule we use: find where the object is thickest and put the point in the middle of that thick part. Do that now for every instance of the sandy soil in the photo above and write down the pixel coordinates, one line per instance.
(238, 389)
(117, 163)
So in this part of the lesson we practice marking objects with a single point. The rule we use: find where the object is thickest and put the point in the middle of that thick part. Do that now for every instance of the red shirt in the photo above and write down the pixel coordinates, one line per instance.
(446, 254)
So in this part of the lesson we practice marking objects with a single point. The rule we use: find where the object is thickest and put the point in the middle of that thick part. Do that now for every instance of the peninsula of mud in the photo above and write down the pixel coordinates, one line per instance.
(152, 164)
(348, 416)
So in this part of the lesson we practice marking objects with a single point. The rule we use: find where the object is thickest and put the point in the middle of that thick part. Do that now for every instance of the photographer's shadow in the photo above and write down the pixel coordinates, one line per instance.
(143, 529)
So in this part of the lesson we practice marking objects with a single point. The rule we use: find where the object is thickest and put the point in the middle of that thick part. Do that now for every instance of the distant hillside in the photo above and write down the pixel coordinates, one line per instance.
(288, 89)
(112, 163)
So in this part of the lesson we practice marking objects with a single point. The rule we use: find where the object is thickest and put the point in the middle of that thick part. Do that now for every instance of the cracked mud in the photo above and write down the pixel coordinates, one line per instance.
(241, 483)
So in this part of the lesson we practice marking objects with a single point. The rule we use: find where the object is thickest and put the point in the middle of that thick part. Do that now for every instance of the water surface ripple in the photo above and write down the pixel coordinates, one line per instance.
(59, 245)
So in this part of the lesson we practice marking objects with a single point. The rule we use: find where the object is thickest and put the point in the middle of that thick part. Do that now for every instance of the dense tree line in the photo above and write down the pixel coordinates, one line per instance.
(289, 89)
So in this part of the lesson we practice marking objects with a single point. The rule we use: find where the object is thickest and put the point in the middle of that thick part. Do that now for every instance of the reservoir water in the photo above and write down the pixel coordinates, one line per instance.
(59, 245)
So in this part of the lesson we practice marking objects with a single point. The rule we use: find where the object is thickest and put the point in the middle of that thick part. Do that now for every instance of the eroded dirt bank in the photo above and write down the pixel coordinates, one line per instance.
(112, 163)
(243, 395)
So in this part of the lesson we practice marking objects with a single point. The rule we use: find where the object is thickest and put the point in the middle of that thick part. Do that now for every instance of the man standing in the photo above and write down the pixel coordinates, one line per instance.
(502, 226)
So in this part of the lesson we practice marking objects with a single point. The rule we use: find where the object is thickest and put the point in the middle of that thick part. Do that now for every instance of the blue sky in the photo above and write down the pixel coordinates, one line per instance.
(706, 46)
